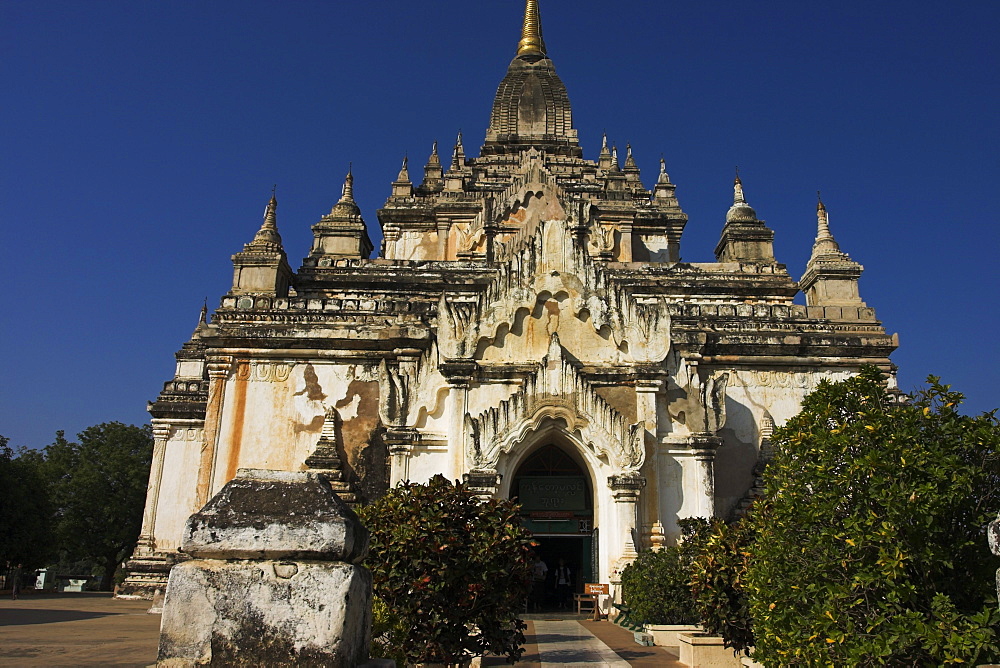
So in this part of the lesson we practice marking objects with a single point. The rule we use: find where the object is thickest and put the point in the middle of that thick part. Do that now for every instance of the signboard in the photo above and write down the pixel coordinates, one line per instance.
(552, 493)
(596, 588)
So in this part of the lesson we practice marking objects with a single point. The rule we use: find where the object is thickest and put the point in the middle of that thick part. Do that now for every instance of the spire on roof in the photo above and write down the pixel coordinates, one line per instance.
(604, 160)
(738, 197)
(265, 255)
(202, 321)
(740, 211)
(664, 177)
(267, 237)
(825, 243)
(458, 155)
(664, 191)
(433, 172)
(347, 195)
(629, 160)
(531, 34)
(831, 277)
(402, 187)
(614, 159)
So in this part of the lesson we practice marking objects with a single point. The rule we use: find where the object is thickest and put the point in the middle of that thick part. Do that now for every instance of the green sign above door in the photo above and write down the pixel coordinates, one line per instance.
(552, 493)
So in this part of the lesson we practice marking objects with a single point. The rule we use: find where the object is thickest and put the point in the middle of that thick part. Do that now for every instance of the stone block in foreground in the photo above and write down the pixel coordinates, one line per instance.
(273, 580)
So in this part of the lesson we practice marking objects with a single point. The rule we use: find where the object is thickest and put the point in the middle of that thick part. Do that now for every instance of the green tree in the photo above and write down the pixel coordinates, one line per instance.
(98, 489)
(452, 569)
(657, 585)
(870, 539)
(25, 521)
(718, 574)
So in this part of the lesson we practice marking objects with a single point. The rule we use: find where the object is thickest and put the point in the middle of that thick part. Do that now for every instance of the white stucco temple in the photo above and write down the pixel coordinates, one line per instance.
(526, 326)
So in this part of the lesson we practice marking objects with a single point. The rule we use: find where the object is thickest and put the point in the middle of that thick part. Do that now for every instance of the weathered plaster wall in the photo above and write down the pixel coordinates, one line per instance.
(750, 394)
(178, 486)
(273, 413)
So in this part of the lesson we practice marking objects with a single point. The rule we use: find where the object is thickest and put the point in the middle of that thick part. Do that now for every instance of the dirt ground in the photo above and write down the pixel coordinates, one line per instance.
(82, 629)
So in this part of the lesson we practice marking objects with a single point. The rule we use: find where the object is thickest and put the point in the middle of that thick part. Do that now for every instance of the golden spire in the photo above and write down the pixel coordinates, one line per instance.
(531, 35)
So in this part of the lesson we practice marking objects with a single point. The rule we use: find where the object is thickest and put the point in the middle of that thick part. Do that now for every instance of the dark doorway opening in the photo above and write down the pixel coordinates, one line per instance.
(557, 507)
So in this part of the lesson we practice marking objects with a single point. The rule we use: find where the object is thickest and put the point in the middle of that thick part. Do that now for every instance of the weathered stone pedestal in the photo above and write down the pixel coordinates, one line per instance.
(273, 580)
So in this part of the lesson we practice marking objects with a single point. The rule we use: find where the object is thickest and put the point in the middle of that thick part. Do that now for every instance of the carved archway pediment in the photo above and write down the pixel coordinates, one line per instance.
(557, 391)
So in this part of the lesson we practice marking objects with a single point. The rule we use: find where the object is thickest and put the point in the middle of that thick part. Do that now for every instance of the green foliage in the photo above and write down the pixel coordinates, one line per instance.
(870, 540)
(25, 519)
(453, 568)
(717, 584)
(98, 489)
(388, 633)
(657, 585)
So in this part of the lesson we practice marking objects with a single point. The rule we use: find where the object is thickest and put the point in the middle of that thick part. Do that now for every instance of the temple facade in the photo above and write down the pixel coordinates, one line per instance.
(527, 326)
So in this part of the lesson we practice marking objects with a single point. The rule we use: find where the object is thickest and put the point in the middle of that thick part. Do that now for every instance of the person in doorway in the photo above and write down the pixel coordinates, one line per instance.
(564, 584)
(15, 589)
(539, 571)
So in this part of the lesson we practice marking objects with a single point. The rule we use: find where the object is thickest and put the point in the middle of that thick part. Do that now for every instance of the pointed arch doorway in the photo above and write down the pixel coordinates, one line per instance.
(557, 506)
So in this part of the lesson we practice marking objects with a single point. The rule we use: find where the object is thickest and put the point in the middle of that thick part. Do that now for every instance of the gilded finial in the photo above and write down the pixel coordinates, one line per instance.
(531, 34)
(614, 157)
(819, 202)
(738, 197)
(404, 172)
(203, 318)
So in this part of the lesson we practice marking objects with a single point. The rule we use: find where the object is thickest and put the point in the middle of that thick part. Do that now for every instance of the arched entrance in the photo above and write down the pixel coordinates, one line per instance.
(557, 506)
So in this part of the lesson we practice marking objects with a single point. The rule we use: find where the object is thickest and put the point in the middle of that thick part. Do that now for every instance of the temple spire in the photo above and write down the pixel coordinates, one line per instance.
(531, 34)
(267, 237)
(825, 244)
(348, 191)
(458, 154)
(738, 197)
(433, 172)
(604, 160)
(745, 238)
(831, 277)
(740, 211)
(402, 186)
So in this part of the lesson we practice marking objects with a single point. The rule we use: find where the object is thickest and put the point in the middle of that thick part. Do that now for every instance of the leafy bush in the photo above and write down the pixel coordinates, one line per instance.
(452, 568)
(870, 539)
(657, 585)
(388, 633)
(717, 579)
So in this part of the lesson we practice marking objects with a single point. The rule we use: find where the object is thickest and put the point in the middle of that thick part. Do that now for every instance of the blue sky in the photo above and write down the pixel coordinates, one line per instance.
(139, 142)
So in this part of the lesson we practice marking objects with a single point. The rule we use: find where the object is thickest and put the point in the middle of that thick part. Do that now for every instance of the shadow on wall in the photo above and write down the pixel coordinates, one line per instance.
(734, 461)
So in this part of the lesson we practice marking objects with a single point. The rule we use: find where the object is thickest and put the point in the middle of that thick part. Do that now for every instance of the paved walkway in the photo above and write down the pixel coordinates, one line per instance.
(68, 630)
(553, 642)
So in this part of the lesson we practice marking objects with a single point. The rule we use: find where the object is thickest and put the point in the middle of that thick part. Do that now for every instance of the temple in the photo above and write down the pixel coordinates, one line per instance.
(528, 327)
